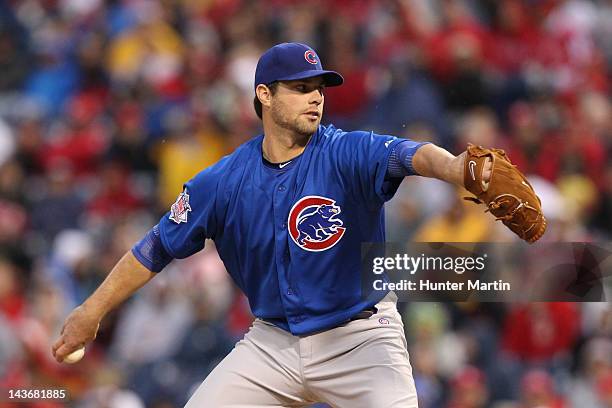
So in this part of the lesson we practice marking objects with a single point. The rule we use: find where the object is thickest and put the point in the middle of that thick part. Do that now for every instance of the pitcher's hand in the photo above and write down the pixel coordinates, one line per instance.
(80, 327)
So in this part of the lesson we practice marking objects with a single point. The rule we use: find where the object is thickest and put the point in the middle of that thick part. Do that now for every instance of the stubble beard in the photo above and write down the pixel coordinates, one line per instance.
(299, 125)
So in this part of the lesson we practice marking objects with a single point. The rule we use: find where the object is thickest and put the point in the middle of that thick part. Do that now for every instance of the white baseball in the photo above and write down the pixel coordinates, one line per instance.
(75, 356)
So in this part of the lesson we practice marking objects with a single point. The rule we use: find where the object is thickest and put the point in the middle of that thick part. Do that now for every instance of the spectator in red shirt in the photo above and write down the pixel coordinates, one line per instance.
(539, 332)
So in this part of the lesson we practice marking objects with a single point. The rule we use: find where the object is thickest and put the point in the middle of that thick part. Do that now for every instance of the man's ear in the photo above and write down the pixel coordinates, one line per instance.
(263, 94)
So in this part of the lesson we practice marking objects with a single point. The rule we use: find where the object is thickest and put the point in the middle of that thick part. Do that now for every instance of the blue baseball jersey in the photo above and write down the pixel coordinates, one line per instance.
(291, 237)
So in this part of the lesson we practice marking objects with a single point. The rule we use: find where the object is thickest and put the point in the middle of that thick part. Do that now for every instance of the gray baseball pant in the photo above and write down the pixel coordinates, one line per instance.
(361, 364)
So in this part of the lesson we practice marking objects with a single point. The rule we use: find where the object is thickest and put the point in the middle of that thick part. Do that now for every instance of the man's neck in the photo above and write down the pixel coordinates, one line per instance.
(280, 145)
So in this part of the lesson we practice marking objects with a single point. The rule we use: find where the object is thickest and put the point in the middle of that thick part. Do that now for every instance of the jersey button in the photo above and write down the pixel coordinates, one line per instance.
(289, 292)
(282, 188)
(283, 225)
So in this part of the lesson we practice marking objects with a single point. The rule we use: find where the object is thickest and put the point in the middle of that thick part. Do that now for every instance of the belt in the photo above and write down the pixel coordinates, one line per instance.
(364, 314)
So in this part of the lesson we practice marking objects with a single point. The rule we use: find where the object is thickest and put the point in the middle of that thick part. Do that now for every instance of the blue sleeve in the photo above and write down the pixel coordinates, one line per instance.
(400, 159)
(151, 252)
(365, 155)
(191, 219)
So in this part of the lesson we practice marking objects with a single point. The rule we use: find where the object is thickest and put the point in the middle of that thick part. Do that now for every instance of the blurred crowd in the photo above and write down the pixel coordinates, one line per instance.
(107, 107)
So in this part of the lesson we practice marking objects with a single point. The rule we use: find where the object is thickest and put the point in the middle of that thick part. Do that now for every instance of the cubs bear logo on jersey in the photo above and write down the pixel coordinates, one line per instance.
(314, 224)
(180, 208)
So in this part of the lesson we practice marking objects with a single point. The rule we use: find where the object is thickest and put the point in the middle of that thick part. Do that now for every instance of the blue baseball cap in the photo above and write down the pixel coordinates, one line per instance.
(289, 61)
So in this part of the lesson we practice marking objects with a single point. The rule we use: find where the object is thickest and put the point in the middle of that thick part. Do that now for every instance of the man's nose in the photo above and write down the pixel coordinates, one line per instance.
(316, 96)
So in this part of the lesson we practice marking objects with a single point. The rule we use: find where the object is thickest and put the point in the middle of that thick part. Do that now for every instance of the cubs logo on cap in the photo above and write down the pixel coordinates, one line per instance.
(311, 57)
(291, 61)
(314, 224)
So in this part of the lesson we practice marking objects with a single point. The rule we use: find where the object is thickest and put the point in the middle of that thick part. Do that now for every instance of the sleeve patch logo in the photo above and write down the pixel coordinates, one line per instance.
(314, 224)
(180, 208)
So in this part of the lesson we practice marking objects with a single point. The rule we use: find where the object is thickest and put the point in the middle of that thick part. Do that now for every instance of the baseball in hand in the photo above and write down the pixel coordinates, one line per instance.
(75, 356)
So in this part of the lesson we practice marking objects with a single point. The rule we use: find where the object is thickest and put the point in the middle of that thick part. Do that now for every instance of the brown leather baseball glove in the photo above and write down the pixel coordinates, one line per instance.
(508, 194)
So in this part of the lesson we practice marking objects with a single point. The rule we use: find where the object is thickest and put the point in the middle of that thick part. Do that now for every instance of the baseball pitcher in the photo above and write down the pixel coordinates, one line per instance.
(288, 211)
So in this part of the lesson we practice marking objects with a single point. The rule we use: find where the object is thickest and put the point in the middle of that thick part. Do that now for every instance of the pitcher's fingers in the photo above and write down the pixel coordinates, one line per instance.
(63, 351)
(57, 344)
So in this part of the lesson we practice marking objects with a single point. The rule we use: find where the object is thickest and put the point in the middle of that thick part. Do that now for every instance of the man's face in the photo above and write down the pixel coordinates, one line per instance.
(298, 105)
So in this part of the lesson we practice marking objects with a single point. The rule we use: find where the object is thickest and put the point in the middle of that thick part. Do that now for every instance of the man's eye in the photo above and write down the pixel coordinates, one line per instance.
(301, 88)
